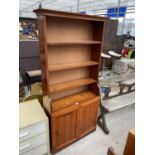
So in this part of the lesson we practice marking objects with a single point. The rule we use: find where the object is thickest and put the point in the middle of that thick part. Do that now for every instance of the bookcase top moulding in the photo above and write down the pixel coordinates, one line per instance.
(62, 14)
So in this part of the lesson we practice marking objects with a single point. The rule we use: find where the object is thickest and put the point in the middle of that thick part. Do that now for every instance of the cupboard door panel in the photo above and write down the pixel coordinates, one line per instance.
(64, 127)
(87, 118)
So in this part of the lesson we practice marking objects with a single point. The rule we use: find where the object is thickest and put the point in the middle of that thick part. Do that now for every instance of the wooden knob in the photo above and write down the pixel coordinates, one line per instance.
(76, 103)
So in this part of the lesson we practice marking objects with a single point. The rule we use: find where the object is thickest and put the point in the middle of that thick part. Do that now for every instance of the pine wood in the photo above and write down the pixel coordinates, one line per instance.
(68, 54)
(70, 47)
(58, 67)
(64, 127)
(130, 143)
(43, 51)
(68, 75)
(73, 121)
(70, 100)
(77, 31)
(87, 116)
(74, 43)
(68, 15)
(71, 84)
(59, 95)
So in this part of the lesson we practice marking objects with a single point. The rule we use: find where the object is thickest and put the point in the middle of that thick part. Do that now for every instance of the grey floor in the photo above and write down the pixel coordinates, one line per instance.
(119, 122)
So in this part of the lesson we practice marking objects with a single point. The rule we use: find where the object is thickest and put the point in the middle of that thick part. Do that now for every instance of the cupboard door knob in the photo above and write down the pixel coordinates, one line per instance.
(76, 103)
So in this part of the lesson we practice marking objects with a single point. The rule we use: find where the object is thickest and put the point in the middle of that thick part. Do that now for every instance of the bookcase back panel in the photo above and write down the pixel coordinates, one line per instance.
(68, 75)
(59, 95)
(65, 54)
(60, 29)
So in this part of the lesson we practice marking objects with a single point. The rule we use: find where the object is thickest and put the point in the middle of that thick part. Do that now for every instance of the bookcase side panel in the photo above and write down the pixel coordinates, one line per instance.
(43, 52)
(98, 28)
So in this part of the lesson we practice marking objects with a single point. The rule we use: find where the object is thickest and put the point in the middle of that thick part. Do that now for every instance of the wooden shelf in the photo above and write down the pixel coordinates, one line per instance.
(73, 42)
(58, 67)
(71, 84)
(72, 99)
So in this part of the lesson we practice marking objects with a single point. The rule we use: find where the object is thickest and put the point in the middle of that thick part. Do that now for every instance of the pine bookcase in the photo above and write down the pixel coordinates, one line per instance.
(70, 49)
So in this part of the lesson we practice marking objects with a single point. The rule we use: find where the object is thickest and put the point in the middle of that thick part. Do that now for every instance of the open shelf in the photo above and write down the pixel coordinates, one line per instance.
(54, 88)
(72, 99)
(73, 42)
(58, 67)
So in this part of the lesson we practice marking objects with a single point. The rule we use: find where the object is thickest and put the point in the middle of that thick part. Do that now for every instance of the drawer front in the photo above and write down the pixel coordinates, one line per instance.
(32, 131)
(32, 143)
(42, 150)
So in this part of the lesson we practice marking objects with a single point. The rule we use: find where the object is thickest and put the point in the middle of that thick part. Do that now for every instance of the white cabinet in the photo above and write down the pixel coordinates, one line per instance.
(42, 150)
(33, 129)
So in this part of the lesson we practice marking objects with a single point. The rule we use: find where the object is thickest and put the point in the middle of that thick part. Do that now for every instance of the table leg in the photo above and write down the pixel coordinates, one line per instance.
(102, 121)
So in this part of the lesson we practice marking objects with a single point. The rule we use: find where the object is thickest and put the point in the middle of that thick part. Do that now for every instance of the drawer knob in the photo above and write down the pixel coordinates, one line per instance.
(76, 103)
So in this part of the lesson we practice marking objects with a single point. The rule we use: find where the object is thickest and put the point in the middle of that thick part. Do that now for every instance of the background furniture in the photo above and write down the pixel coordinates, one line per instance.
(29, 56)
(125, 95)
(33, 129)
(28, 28)
(34, 76)
(111, 41)
(130, 143)
(35, 93)
(29, 62)
(129, 147)
(70, 46)
(104, 57)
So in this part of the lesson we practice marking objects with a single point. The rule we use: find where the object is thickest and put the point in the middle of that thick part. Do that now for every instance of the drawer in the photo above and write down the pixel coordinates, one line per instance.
(32, 131)
(41, 150)
(71, 100)
(32, 143)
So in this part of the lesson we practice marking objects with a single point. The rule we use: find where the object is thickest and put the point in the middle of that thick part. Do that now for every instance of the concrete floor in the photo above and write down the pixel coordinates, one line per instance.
(119, 122)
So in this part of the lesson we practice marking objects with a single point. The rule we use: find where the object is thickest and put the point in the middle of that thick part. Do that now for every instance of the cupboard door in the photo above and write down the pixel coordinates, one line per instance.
(87, 117)
(64, 127)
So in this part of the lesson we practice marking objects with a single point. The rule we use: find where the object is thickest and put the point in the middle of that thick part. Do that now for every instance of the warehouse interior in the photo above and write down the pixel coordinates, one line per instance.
(77, 77)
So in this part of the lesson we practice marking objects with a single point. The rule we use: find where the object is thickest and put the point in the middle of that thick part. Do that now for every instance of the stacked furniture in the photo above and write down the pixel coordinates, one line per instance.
(33, 129)
(70, 46)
